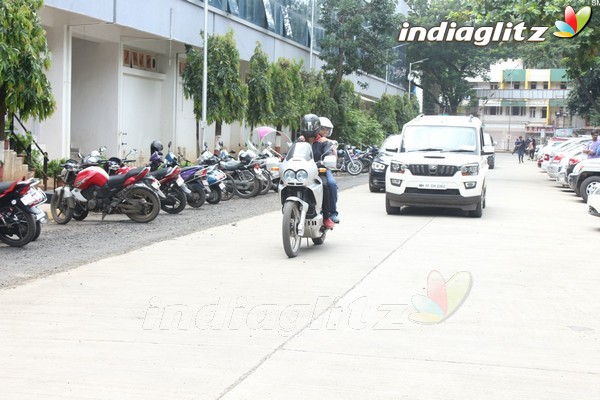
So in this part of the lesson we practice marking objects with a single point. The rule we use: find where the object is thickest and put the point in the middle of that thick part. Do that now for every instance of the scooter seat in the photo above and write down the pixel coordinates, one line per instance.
(231, 165)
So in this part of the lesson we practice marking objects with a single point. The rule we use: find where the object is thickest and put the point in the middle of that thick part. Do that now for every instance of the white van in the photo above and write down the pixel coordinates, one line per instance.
(442, 162)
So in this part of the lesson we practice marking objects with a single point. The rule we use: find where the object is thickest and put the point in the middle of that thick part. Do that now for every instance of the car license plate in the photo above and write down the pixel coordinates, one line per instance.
(180, 181)
(432, 185)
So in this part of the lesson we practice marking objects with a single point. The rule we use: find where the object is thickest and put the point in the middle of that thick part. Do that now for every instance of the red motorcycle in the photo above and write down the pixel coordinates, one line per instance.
(20, 219)
(92, 189)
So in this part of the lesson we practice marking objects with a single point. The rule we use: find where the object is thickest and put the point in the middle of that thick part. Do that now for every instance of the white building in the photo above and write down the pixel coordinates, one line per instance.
(524, 102)
(116, 67)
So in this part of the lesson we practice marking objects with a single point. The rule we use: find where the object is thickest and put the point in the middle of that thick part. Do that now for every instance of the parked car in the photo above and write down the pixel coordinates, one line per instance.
(558, 159)
(553, 147)
(593, 203)
(381, 161)
(489, 141)
(563, 174)
(585, 177)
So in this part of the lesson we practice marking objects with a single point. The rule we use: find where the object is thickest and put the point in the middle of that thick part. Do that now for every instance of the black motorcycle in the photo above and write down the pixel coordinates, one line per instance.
(20, 218)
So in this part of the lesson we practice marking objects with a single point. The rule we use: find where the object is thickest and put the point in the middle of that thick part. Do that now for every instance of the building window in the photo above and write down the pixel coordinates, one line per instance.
(544, 113)
(545, 85)
(563, 85)
(493, 86)
(517, 111)
(532, 112)
(493, 110)
(516, 85)
(533, 85)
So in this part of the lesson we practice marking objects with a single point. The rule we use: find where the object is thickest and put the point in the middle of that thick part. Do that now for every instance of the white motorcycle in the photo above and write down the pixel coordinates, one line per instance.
(301, 194)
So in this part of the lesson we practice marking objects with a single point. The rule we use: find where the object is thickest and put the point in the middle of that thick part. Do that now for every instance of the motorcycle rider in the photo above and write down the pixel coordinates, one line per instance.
(326, 131)
(310, 128)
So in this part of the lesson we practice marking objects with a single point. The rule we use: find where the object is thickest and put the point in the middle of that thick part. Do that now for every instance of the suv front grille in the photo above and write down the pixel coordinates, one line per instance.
(433, 170)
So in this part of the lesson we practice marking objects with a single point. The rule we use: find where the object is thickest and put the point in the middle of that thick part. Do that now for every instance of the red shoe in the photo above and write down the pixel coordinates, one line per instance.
(329, 224)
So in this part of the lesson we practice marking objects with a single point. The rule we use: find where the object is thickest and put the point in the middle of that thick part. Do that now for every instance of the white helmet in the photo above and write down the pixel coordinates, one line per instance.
(326, 123)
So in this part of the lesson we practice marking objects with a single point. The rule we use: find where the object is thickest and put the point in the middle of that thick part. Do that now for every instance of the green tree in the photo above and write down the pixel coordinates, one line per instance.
(384, 111)
(361, 129)
(578, 54)
(318, 98)
(226, 94)
(288, 93)
(448, 64)
(24, 56)
(407, 108)
(358, 35)
(579, 103)
(260, 89)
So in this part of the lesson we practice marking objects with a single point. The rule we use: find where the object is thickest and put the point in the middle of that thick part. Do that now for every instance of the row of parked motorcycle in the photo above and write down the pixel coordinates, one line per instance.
(103, 185)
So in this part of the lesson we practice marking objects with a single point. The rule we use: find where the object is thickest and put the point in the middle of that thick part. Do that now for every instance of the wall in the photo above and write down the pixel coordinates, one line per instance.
(94, 116)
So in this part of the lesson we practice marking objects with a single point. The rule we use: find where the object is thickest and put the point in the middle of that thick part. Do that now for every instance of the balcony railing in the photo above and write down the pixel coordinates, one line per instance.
(515, 94)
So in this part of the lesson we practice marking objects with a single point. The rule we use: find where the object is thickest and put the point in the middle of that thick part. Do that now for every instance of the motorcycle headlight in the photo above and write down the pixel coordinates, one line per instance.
(301, 176)
(289, 175)
(469, 169)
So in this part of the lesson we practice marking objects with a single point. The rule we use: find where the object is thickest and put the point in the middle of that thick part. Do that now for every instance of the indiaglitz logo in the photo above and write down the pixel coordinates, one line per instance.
(573, 23)
(443, 297)
(500, 32)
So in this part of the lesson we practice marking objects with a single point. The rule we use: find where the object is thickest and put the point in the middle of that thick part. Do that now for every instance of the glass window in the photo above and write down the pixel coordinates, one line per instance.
(442, 138)
(544, 113)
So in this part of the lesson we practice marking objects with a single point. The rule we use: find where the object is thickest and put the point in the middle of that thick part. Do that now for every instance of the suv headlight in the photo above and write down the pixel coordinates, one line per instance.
(377, 166)
(469, 169)
(398, 167)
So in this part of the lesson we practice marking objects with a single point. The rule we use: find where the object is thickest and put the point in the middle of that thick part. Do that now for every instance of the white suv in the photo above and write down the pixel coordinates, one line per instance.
(441, 162)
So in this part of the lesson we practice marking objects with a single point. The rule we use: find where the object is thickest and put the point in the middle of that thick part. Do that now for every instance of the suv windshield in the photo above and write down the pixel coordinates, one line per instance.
(439, 138)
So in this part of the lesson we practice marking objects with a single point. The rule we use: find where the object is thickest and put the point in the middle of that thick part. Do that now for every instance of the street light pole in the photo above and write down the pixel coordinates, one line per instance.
(204, 79)
(410, 72)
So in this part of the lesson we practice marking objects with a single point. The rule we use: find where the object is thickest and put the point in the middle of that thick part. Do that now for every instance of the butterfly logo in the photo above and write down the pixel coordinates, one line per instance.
(443, 297)
(573, 23)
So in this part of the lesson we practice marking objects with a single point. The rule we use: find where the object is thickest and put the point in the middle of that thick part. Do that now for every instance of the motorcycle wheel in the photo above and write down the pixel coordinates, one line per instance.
(80, 213)
(251, 187)
(198, 195)
(354, 167)
(38, 230)
(176, 200)
(19, 228)
(229, 191)
(265, 184)
(61, 213)
(215, 195)
(289, 229)
(150, 204)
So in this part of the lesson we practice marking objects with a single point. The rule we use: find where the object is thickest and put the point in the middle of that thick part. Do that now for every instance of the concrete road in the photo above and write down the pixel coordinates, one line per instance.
(223, 313)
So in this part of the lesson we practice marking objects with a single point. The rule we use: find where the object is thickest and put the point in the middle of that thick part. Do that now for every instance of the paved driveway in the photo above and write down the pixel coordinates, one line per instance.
(223, 313)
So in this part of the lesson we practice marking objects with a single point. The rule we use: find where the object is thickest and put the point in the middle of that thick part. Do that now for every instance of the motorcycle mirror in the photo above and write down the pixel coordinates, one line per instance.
(169, 144)
(102, 149)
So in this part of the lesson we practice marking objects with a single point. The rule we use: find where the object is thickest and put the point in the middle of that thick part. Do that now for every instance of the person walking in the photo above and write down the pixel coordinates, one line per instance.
(531, 149)
(520, 148)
